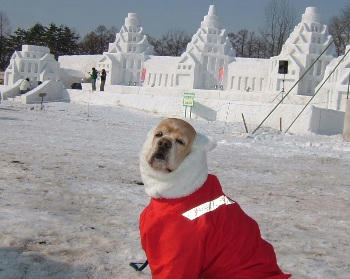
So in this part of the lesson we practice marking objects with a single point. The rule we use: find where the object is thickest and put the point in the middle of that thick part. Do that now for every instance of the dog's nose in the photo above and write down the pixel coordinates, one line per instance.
(165, 143)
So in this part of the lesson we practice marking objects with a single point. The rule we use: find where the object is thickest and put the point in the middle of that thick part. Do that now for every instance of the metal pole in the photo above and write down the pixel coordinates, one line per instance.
(281, 124)
(88, 112)
(284, 76)
(245, 124)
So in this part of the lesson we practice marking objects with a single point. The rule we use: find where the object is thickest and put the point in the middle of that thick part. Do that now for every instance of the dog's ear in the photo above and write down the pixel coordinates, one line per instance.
(203, 142)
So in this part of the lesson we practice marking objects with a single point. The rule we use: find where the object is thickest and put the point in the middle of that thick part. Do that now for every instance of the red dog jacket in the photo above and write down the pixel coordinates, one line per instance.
(205, 235)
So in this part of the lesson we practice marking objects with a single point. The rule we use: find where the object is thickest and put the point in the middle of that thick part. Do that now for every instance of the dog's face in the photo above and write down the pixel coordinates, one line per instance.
(172, 141)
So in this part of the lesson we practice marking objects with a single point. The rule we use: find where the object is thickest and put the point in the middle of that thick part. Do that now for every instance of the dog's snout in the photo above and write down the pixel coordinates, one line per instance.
(159, 156)
(165, 143)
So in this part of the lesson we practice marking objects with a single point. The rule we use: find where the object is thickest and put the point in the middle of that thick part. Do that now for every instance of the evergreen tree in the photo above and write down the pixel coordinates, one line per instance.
(96, 42)
(17, 39)
(67, 41)
(61, 40)
(51, 39)
(4, 42)
(36, 35)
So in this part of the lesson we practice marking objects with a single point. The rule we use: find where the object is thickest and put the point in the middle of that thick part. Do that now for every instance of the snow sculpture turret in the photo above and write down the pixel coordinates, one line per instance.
(334, 91)
(209, 52)
(131, 39)
(33, 62)
(125, 57)
(309, 38)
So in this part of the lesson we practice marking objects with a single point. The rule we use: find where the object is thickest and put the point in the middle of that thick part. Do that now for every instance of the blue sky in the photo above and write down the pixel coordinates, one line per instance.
(156, 16)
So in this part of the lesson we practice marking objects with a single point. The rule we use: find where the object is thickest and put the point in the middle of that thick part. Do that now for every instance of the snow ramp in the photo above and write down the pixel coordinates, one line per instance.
(11, 92)
(49, 90)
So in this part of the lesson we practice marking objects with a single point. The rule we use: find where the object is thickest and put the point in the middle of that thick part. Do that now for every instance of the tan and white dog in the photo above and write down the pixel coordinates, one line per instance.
(173, 159)
(191, 229)
(171, 143)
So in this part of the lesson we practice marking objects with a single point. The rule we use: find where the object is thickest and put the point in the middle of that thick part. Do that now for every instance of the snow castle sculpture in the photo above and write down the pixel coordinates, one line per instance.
(202, 66)
(125, 57)
(309, 38)
(211, 52)
(33, 62)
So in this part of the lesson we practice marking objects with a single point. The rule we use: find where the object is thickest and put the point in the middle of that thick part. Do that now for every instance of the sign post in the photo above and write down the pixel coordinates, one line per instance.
(42, 95)
(283, 69)
(188, 101)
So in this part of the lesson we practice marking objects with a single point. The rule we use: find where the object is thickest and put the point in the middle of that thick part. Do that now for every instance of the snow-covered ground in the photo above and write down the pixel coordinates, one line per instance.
(70, 196)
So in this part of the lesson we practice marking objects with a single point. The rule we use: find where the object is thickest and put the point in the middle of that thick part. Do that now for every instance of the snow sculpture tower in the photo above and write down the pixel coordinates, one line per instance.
(209, 51)
(125, 57)
(33, 62)
(309, 38)
(334, 91)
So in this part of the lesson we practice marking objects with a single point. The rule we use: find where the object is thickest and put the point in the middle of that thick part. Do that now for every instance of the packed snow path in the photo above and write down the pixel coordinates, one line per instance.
(70, 197)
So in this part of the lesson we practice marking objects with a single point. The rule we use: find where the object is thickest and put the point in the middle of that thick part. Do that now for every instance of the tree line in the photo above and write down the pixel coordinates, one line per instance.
(60, 39)
(280, 19)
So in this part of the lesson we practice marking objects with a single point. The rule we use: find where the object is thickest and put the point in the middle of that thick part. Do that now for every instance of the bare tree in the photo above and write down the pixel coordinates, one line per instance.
(261, 48)
(339, 28)
(239, 41)
(248, 44)
(173, 43)
(280, 17)
(4, 33)
(251, 44)
(176, 42)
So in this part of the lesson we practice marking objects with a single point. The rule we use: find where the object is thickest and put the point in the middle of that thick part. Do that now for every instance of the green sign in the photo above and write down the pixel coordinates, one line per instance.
(188, 100)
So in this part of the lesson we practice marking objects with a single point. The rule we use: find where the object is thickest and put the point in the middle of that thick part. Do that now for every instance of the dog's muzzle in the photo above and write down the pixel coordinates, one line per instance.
(164, 145)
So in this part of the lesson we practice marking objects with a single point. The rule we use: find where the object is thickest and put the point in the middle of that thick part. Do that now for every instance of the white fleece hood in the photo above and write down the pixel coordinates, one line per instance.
(183, 181)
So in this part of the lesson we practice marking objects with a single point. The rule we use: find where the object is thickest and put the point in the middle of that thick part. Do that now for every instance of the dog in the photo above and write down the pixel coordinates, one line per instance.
(171, 143)
(191, 229)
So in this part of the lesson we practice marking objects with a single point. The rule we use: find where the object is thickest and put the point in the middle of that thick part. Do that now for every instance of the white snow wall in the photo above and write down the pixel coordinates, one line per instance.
(346, 133)
(213, 105)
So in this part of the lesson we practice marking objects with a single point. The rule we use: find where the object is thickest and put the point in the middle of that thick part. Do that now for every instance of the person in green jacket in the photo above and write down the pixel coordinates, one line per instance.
(93, 76)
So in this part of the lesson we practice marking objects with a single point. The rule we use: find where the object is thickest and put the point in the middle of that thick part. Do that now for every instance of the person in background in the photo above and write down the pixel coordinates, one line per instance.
(103, 80)
(93, 76)
(24, 87)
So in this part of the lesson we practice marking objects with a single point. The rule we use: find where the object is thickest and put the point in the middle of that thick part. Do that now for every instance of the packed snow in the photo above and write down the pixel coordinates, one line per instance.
(71, 193)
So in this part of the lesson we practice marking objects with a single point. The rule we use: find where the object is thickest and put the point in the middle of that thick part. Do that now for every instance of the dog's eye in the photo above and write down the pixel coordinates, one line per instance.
(159, 134)
(180, 141)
